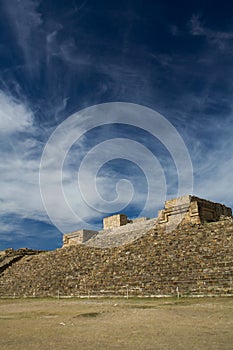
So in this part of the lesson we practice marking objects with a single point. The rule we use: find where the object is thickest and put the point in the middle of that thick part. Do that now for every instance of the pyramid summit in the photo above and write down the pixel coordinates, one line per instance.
(178, 211)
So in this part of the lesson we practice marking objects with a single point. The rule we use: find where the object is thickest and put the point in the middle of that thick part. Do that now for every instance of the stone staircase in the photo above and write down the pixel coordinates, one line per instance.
(193, 259)
(121, 235)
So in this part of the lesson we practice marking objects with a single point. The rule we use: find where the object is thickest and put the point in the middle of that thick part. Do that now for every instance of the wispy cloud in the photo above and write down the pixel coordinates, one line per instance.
(211, 149)
(26, 22)
(218, 37)
(20, 154)
(66, 50)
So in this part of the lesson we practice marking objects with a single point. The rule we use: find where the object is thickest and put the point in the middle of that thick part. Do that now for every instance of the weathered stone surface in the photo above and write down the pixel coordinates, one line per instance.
(115, 221)
(114, 235)
(139, 220)
(140, 256)
(195, 258)
(121, 235)
(118, 229)
(78, 237)
(191, 209)
(10, 256)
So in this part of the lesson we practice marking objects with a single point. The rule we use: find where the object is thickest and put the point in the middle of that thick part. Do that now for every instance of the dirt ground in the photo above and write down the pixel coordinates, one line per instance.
(40, 324)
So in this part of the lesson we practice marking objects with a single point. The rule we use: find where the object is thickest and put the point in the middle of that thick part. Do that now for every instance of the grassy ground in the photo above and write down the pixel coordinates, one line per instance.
(41, 324)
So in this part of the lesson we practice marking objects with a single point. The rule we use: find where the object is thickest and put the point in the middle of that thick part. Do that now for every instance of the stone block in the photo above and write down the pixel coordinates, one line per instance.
(140, 220)
(115, 221)
(78, 237)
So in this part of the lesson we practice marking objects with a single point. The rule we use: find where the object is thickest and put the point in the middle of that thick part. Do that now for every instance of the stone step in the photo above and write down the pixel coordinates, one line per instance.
(197, 259)
(121, 235)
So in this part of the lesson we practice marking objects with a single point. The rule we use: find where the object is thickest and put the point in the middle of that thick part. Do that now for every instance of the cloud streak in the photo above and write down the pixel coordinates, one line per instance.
(219, 38)
(26, 22)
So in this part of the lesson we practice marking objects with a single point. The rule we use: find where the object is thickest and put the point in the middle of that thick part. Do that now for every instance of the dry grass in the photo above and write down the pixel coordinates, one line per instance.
(116, 324)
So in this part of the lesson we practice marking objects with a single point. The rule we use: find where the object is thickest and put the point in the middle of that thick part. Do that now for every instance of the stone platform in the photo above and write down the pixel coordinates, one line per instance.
(119, 230)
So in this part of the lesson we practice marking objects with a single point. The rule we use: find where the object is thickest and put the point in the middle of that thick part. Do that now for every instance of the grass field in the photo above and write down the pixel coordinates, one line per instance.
(189, 323)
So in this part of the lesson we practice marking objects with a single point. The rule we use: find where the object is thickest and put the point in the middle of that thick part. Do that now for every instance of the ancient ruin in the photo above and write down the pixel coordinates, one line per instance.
(191, 209)
(115, 221)
(141, 257)
(78, 237)
(179, 211)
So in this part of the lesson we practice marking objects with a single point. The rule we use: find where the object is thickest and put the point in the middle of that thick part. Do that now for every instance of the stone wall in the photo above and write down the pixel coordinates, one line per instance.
(115, 221)
(196, 259)
(182, 210)
(139, 220)
(191, 209)
(117, 231)
(210, 211)
(78, 237)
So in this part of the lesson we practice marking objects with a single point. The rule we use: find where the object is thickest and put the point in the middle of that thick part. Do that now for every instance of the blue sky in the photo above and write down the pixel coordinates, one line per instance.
(60, 57)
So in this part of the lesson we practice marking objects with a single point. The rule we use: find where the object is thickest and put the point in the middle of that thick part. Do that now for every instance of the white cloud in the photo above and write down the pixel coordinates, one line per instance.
(19, 168)
(19, 158)
(14, 116)
(21, 151)
(212, 158)
(218, 186)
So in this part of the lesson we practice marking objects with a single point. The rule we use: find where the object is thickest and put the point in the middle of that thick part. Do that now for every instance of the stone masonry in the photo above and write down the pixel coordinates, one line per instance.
(118, 229)
(111, 236)
(78, 237)
(195, 257)
(191, 209)
(115, 221)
